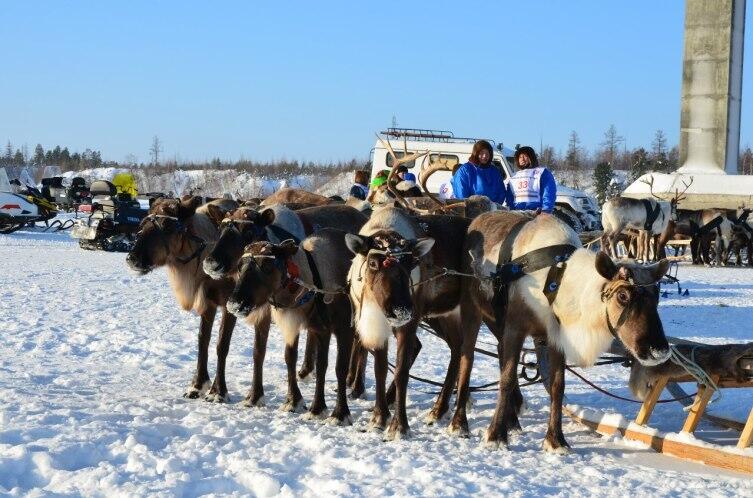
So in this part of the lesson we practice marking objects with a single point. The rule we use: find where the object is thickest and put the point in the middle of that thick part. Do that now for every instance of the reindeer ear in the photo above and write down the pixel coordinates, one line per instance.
(216, 213)
(287, 247)
(658, 270)
(188, 205)
(154, 202)
(605, 266)
(266, 217)
(357, 244)
(423, 246)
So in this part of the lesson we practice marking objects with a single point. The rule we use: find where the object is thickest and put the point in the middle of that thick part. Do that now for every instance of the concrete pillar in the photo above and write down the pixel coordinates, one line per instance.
(711, 86)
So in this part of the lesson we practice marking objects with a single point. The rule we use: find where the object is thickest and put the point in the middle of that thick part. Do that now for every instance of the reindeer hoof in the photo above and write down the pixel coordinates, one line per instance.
(432, 417)
(555, 446)
(318, 415)
(493, 441)
(458, 430)
(339, 421)
(357, 394)
(293, 406)
(194, 392)
(394, 434)
(259, 403)
(216, 397)
(561, 450)
(377, 423)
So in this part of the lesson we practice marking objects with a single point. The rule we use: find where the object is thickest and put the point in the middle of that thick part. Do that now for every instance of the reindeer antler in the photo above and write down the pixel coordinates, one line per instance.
(650, 184)
(396, 164)
(434, 166)
(679, 196)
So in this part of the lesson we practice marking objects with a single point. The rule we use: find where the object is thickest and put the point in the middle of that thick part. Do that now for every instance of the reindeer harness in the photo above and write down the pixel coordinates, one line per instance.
(653, 210)
(509, 270)
(291, 281)
(182, 228)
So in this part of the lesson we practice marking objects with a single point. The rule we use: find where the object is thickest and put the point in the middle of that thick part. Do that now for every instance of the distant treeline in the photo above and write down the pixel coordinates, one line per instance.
(16, 159)
(573, 161)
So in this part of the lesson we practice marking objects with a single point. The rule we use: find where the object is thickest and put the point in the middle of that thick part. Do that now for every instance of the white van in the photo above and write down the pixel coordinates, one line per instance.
(444, 145)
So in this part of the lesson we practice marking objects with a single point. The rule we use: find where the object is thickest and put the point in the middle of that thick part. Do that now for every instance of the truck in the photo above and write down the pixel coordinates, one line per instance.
(577, 206)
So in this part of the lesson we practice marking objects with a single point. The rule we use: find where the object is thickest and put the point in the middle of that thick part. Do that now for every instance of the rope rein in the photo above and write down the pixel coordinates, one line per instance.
(694, 370)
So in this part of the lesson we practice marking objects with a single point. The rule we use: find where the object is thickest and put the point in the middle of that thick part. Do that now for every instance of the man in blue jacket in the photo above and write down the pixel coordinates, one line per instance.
(532, 186)
(479, 176)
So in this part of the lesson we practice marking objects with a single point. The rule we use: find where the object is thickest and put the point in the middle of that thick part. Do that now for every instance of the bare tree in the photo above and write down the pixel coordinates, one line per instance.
(609, 147)
(574, 152)
(155, 150)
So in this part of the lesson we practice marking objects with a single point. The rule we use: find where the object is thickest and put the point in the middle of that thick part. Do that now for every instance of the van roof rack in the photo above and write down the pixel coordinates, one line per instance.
(421, 135)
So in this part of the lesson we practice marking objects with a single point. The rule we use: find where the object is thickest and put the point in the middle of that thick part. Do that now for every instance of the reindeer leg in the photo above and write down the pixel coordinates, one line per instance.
(381, 410)
(200, 382)
(294, 400)
(509, 351)
(454, 340)
(515, 401)
(357, 369)
(255, 396)
(459, 423)
(416, 349)
(399, 428)
(218, 392)
(344, 334)
(319, 405)
(309, 356)
(554, 441)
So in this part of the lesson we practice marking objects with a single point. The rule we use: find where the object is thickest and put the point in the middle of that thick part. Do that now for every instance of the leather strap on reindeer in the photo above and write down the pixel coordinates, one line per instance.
(711, 225)
(652, 213)
(508, 270)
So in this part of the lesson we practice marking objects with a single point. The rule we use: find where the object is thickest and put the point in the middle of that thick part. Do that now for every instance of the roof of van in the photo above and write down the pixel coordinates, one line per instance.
(434, 140)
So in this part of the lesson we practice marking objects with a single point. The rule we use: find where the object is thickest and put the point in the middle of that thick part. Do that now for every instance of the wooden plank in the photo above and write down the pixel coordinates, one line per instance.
(699, 406)
(747, 435)
(715, 457)
(650, 402)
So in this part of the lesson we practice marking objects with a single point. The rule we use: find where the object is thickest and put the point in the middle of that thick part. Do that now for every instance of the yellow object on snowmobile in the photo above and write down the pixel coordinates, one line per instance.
(41, 202)
(125, 184)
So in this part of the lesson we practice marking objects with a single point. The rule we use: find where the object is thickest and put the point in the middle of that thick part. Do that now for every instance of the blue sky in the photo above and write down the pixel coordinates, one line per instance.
(315, 80)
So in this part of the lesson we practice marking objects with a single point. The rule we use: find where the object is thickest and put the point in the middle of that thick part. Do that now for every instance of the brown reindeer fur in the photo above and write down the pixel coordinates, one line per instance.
(439, 300)
(259, 282)
(192, 288)
(296, 196)
(575, 325)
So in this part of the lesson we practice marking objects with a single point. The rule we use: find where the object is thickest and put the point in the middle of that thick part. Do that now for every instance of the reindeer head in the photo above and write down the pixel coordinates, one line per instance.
(165, 235)
(630, 298)
(679, 196)
(263, 272)
(389, 260)
(239, 228)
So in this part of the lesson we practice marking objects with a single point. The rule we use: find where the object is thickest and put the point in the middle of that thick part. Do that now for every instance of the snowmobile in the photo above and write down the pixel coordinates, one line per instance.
(113, 220)
(26, 207)
(67, 196)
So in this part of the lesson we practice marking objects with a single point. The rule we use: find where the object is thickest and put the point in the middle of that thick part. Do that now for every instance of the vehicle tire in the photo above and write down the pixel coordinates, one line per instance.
(568, 216)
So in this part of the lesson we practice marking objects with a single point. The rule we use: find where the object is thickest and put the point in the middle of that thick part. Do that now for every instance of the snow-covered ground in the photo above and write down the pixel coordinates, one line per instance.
(95, 360)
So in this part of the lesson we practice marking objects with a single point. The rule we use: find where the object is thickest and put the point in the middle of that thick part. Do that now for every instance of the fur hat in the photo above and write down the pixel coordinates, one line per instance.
(527, 150)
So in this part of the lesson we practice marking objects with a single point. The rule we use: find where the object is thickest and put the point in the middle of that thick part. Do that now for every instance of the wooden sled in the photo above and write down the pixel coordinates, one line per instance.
(683, 445)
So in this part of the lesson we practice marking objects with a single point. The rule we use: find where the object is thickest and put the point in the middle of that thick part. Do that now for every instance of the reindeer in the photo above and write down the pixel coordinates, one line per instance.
(249, 224)
(397, 278)
(297, 196)
(292, 278)
(175, 234)
(649, 216)
(539, 282)
(706, 227)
